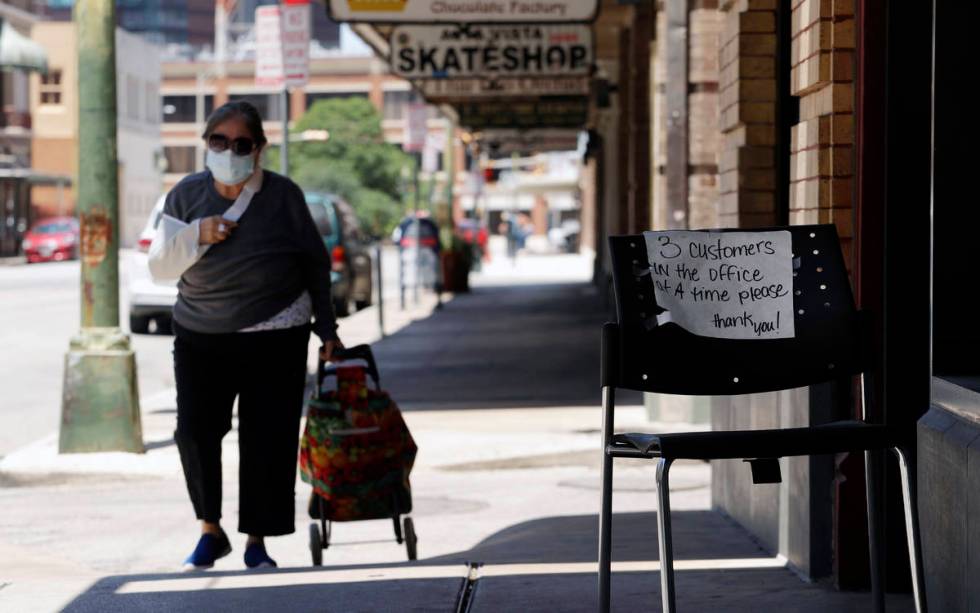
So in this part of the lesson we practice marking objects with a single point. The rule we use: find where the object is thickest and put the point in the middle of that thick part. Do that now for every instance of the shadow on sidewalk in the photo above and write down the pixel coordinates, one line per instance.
(503, 346)
(541, 565)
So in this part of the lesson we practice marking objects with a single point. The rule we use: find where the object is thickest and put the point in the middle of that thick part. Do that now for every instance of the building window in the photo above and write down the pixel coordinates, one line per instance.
(182, 109)
(51, 87)
(268, 105)
(396, 103)
(181, 159)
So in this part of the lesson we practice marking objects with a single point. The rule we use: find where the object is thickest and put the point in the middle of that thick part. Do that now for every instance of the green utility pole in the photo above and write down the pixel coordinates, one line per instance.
(100, 401)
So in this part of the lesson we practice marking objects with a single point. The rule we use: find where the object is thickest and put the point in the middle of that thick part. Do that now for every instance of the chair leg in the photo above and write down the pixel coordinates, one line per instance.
(873, 465)
(907, 471)
(663, 535)
(605, 506)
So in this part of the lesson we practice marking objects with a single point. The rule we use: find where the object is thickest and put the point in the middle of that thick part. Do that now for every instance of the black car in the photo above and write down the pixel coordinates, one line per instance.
(348, 248)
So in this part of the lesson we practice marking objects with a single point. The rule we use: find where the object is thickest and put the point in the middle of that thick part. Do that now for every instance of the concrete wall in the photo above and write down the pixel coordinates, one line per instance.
(949, 509)
(793, 517)
(138, 132)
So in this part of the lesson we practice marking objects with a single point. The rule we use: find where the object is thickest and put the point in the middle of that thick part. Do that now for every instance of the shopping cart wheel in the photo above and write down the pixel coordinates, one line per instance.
(316, 547)
(411, 540)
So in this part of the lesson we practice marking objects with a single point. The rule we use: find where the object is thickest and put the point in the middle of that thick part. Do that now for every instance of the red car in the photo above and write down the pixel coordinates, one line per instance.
(52, 239)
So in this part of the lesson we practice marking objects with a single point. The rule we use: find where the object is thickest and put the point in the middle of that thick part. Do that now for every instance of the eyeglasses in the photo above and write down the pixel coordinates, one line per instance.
(239, 146)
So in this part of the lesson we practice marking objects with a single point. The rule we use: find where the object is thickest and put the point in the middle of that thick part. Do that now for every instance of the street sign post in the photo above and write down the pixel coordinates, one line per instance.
(269, 70)
(463, 11)
(416, 117)
(295, 23)
(452, 52)
(282, 56)
(282, 44)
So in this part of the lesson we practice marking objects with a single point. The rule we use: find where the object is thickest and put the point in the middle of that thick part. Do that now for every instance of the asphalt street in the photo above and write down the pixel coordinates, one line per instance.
(40, 312)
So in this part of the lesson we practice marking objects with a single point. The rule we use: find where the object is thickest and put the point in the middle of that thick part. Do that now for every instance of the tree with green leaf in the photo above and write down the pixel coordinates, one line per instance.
(354, 162)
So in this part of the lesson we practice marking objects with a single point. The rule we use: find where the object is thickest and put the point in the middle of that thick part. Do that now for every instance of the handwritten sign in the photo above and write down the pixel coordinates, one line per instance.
(736, 285)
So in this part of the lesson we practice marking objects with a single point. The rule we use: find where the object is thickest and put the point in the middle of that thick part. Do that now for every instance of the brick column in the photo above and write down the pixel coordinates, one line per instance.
(694, 131)
(641, 37)
(706, 23)
(822, 144)
(748, 114)
(623, 126)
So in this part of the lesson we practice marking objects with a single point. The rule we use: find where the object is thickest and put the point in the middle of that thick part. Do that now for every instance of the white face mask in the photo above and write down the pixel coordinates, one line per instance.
(228, 168)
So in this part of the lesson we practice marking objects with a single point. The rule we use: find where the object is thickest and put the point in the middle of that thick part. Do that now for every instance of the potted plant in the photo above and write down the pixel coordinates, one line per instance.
(456, 264)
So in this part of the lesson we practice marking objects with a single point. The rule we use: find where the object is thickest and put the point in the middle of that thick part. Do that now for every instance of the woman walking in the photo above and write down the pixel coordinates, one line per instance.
(253, 272)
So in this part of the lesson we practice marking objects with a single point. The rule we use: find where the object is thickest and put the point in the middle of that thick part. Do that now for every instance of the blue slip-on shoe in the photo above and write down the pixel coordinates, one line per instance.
(256, 557)
(209, 548)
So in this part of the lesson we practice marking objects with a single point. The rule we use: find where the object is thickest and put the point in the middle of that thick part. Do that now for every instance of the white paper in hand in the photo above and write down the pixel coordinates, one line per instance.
(735, 285)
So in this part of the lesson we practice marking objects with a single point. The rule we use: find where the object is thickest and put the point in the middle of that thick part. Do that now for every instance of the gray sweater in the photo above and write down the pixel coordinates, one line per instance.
(273, 255)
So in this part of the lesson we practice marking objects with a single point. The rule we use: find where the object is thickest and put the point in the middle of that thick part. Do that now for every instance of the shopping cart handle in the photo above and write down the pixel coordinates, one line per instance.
(357, 352)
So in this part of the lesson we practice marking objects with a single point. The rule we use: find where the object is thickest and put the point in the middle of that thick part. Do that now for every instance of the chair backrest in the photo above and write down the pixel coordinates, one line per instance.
(829, 343)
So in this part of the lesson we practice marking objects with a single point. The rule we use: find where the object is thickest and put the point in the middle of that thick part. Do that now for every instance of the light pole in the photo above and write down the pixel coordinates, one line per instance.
(100, 401)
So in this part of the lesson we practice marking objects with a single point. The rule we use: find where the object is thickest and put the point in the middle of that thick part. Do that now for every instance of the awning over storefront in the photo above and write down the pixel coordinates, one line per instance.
(18, 51)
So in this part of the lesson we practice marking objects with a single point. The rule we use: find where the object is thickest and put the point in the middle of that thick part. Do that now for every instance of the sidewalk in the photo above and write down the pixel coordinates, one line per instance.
(500, 391)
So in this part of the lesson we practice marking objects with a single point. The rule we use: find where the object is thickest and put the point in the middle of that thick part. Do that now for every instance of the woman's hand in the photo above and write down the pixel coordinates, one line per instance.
(326, 351)
(215, 229)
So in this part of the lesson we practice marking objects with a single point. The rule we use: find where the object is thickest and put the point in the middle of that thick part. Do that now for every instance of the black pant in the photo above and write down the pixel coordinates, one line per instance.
(267, 372)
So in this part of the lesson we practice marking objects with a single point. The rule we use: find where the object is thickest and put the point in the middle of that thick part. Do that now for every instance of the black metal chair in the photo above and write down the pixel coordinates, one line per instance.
(831, 344)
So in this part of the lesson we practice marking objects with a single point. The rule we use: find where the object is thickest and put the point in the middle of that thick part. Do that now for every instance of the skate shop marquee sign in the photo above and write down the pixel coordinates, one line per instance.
(734, 285)
(463, 11)
(450, 52)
